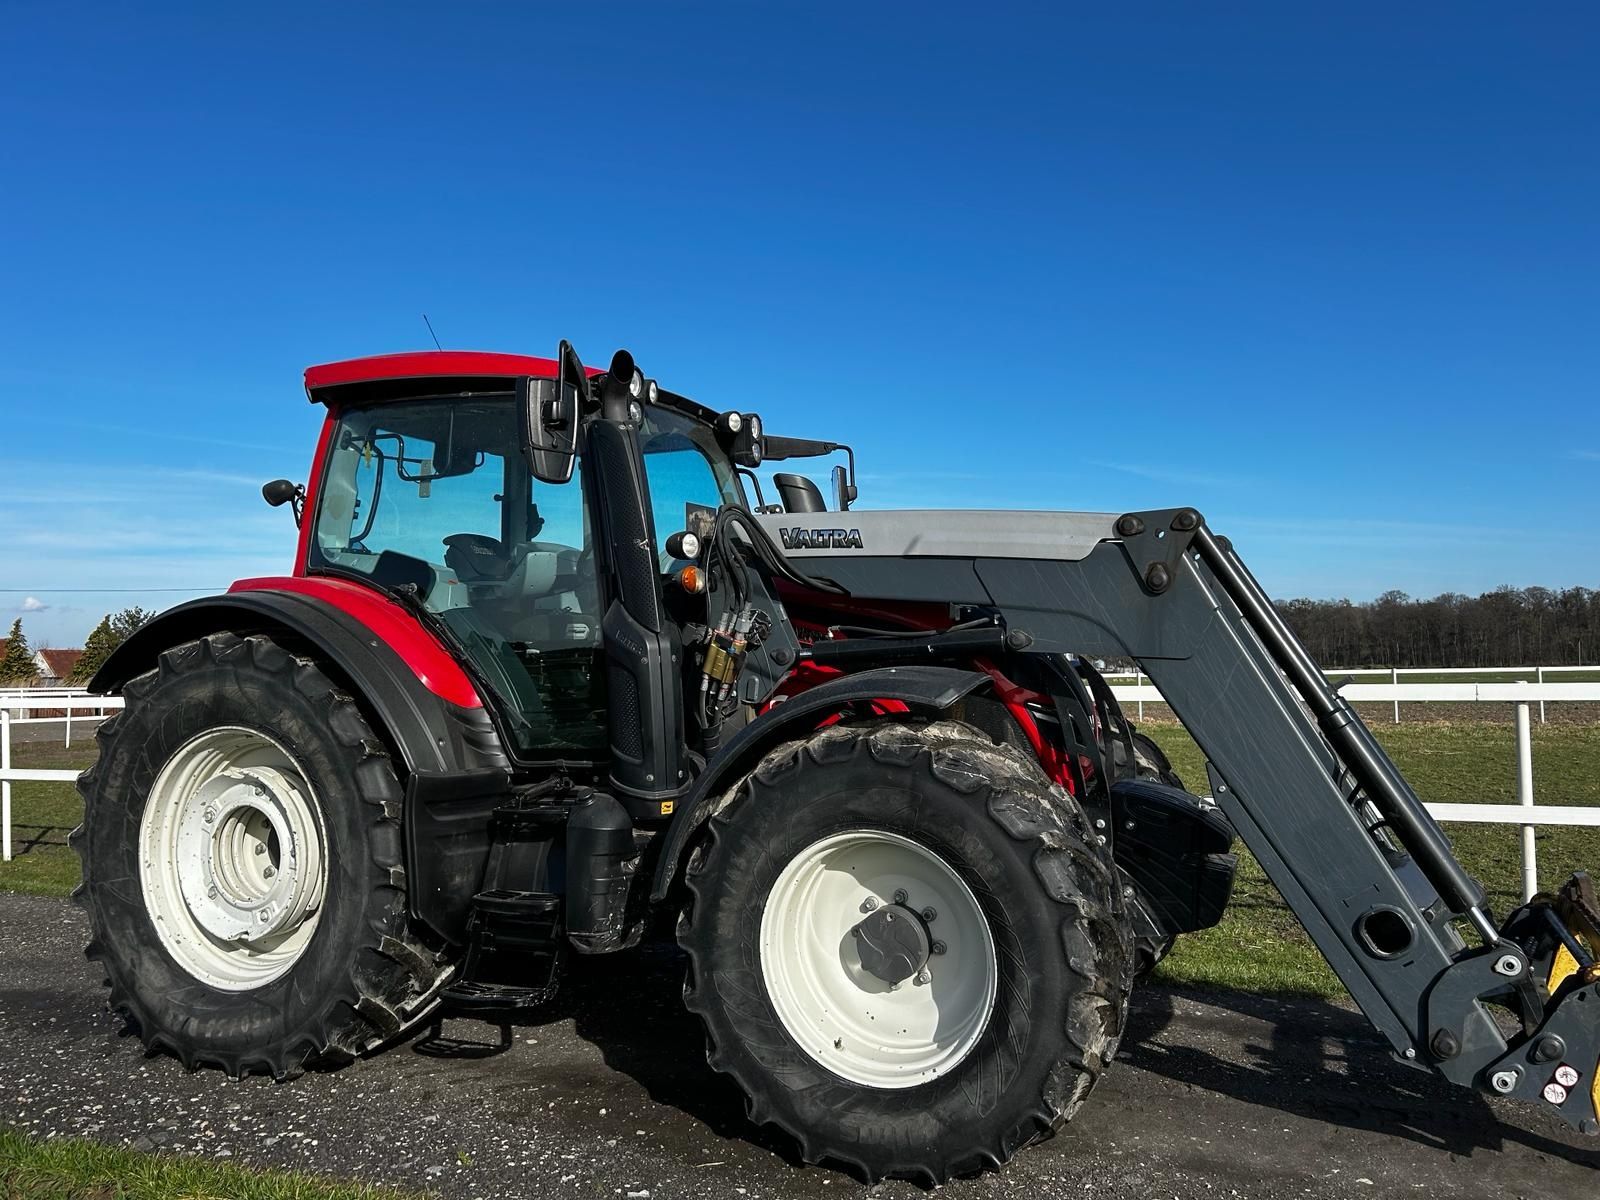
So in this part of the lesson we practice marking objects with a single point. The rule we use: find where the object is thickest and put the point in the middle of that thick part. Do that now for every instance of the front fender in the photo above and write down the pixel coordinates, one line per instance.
(922, 689)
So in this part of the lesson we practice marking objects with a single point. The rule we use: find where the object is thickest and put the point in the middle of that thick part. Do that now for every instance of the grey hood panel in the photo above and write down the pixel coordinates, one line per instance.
(939, 533)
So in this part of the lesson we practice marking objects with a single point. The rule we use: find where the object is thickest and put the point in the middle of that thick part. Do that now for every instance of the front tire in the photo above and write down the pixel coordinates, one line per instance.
(918, 1050)
(242, 864)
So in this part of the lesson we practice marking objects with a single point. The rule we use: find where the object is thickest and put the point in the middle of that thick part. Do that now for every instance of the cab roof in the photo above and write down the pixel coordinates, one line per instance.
(423, 364)
(385, 377)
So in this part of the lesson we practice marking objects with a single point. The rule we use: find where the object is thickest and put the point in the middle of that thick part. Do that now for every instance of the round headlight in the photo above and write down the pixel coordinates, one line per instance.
(755, 428)
(654, 393)
(636, 384)
(635, 412)
(684, 545)
(732, 422)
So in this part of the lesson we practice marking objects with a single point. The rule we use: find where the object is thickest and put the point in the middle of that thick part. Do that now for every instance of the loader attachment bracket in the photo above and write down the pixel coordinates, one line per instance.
(1558, 1067)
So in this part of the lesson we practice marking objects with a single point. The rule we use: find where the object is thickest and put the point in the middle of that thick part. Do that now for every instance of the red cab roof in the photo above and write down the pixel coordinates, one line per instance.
(423, 364)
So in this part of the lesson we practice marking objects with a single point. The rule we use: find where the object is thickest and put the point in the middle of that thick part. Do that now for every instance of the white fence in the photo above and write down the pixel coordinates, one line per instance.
(1525, 812)
(1141, 691)
(73, 704)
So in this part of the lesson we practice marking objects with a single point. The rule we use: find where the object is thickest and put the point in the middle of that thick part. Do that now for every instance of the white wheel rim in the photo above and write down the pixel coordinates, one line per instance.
(849, 1020)
(231, 858)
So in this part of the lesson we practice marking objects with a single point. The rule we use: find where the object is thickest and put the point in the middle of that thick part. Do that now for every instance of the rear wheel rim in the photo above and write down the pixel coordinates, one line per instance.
(232, 858)
(856, 1024)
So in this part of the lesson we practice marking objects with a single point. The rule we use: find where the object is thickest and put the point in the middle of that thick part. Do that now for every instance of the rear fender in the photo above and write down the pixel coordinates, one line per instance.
(921, 690)
(428, 731)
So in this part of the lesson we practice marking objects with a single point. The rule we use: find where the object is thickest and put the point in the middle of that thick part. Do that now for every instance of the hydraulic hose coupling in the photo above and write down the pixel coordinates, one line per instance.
(726, 646)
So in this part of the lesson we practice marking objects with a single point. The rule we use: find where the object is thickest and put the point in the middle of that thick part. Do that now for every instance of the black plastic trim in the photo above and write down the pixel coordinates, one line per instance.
(926, 690)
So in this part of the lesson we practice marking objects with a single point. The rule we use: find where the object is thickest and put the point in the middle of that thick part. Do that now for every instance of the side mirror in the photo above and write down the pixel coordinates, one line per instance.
(280, 492)
(549, 411)
(844, 492)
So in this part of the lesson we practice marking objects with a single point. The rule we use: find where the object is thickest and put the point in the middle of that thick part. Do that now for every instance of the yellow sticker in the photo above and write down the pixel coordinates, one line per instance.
(1562, 966)
(666, 807)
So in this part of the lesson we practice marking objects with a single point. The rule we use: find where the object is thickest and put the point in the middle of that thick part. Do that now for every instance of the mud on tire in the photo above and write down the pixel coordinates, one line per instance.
(362, 975)
(1045, 887)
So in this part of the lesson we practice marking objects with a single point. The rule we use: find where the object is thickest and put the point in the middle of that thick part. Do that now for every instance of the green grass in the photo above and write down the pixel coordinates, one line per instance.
(71, 1169)
(1259, 946)
(42, 815)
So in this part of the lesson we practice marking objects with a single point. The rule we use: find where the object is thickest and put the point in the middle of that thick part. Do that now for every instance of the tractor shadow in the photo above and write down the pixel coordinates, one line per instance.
(1295, 1054)
(630, 1007)
(1316, 1060)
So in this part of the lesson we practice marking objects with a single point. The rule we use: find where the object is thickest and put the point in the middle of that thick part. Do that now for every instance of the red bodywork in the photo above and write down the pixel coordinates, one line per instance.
(419, 649)
(438, 670)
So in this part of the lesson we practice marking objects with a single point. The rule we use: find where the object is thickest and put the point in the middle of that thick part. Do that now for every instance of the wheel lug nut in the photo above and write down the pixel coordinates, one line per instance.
(211, 892)
(900, 896)
(923, 977)
(930, 913)
(268, 873)
(260, 849)
(870, 903)
(211, 815)
(938, 947)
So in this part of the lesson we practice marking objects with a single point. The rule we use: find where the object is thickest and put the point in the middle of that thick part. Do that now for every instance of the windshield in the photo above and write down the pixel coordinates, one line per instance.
(684, 469)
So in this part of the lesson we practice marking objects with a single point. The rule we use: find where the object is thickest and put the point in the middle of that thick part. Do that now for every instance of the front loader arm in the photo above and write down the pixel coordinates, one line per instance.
(1365, 868)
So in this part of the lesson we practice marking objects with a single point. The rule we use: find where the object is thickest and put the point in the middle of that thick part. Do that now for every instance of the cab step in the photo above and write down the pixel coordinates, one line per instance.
(515, 944)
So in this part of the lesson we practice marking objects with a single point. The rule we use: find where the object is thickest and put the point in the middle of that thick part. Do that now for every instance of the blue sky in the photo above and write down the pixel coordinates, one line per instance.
(1331, 275)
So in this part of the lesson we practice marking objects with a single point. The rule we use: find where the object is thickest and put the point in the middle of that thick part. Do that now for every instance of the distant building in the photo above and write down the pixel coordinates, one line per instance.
(55, 666)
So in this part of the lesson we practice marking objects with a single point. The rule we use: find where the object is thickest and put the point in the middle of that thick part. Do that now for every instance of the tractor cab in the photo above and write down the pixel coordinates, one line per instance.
(522, 508)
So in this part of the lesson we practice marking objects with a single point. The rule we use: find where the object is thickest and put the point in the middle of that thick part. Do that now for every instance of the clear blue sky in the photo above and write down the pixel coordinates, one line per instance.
(1331, 275)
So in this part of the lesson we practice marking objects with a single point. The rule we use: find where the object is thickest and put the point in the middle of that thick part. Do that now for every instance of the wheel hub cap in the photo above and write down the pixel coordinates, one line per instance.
(892, 943)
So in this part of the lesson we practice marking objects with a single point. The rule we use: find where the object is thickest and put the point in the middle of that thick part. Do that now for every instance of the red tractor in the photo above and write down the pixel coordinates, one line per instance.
(550, 667)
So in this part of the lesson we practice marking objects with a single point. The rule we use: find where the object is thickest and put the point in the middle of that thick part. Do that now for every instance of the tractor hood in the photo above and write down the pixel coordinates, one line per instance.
(938, 533)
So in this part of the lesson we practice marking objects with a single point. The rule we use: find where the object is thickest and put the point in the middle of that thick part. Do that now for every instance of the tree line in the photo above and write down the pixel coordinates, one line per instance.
(1508, 627)
(17, 665)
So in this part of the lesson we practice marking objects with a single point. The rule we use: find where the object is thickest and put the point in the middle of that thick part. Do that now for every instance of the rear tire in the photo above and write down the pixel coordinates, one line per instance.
(1045, 909)
(238, 787)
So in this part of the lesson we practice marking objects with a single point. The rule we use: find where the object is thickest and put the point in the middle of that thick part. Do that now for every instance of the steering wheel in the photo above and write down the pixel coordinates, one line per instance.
(478, 558)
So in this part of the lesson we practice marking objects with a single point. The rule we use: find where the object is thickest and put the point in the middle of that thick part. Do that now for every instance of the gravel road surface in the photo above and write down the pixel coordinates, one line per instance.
(609, 1096)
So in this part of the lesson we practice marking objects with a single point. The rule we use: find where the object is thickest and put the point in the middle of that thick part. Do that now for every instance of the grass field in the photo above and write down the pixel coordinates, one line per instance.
(1258, 947)
(42, 815)
(70, 1169)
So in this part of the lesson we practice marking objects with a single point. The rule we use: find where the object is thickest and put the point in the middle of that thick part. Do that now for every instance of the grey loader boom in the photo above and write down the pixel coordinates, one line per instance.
(1366, 869)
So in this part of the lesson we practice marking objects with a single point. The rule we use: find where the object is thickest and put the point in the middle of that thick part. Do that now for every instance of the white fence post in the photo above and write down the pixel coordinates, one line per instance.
(1138, 682)
(1541, 699)
(1394, 677)
(1530, 862)
(5, 785)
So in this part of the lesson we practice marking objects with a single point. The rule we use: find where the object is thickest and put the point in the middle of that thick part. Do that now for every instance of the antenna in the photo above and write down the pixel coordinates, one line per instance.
(435, 336)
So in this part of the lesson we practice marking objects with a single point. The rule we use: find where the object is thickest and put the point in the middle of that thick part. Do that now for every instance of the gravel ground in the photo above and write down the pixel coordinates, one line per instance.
(609, 1096)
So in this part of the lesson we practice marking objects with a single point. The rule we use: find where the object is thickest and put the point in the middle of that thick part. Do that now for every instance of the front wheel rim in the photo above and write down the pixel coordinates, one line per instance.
(857, 1024)
(232, 858)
